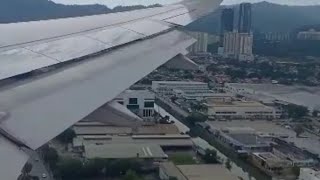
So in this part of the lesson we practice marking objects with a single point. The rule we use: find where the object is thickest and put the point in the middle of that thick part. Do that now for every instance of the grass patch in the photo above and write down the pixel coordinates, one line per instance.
(182, 159)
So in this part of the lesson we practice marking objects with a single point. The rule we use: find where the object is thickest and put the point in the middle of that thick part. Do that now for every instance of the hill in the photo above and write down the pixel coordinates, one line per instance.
(32, 10)
(267, 17)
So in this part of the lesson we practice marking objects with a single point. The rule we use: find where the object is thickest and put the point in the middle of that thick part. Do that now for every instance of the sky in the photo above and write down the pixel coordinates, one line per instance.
(113, 3)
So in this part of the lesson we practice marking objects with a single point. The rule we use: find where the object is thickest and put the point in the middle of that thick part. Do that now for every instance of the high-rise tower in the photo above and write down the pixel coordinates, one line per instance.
(227, 19)
(245, 18)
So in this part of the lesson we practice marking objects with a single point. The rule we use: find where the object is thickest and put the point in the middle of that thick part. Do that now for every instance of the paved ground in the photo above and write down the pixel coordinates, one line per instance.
(38, 167)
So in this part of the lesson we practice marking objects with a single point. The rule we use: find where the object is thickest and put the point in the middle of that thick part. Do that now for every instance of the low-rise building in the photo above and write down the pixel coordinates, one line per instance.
(236, 109)
(194, 172)
(167, 87)
(167, 171)
(124, 151)
(312, 34)
(297, 156)
(271, 164)
(140, 102)
(309, 174)
(164, 141)
(101, 129)
(243, 142)
(200, 95)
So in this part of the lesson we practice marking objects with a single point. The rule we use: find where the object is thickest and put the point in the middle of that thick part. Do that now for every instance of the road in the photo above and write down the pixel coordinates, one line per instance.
(38, 167)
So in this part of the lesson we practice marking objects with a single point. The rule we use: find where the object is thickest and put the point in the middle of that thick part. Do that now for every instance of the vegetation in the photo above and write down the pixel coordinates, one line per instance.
(211, 157)
(228, 164)
(67, 136)
(131, 175)
(50, 156)
(173, 178)
(25, 172)
(196, 117)
(67, 169)
(298, 130)
(296, 171)
(32, 10)
(198, 107)
(182, 159)
(296, 111)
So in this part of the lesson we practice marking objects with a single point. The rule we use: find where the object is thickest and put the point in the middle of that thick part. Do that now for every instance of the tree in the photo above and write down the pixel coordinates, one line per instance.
(299, 130)
(25, 172)
(67, 136)
(196, 117)
(228, 164)
(210, 157)
(182, 159)
(296, 171)
(315, 113)
(131, 175)
(173, 99)
(51, 156)
(173, 178)
(296, 111)
(69, 168)
(93, 168)
(27, 168)
(121, 166)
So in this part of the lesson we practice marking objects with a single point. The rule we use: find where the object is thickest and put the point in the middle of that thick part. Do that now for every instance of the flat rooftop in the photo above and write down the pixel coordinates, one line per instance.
(249, 139)
(260, 127)
(206, 172)
(272, 160)
(236, 104)
(180, 82)
(172, 170)
(177, 141)
(115, 151)
(114, 130)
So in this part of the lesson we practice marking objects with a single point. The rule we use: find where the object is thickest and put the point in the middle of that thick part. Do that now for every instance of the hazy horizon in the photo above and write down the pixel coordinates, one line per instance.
(114, 3)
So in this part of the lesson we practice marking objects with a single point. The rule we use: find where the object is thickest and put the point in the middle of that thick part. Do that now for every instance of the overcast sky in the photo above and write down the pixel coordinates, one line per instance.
(113, 3)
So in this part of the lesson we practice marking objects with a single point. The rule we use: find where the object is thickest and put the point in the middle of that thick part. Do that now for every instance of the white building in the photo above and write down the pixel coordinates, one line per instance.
(168, 87)
(309, 174)
(238, 46)
(241, 110)
(202, 42)
(245, 47)
(309, 35)
(141, 102)
(231, 44)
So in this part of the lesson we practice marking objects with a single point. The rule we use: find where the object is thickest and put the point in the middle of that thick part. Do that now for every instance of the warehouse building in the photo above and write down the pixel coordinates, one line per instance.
(167, 87)
(239, 109)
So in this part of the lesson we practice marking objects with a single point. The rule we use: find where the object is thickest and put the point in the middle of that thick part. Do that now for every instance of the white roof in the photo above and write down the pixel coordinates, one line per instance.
(179, 82)
(116, 151)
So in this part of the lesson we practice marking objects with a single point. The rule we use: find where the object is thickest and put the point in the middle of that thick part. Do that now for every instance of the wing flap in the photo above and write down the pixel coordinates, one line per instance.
(19, 61)
(12, 159)
(69, 48)
(42, 108)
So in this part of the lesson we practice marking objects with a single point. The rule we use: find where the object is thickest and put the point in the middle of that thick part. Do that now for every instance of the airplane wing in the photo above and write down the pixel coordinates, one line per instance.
(54, 73)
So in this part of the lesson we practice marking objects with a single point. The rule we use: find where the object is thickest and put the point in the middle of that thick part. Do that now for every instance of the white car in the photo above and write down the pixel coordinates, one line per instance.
(44, 175)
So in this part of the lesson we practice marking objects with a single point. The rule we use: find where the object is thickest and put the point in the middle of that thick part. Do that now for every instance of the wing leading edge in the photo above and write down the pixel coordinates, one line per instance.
(91, 60)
